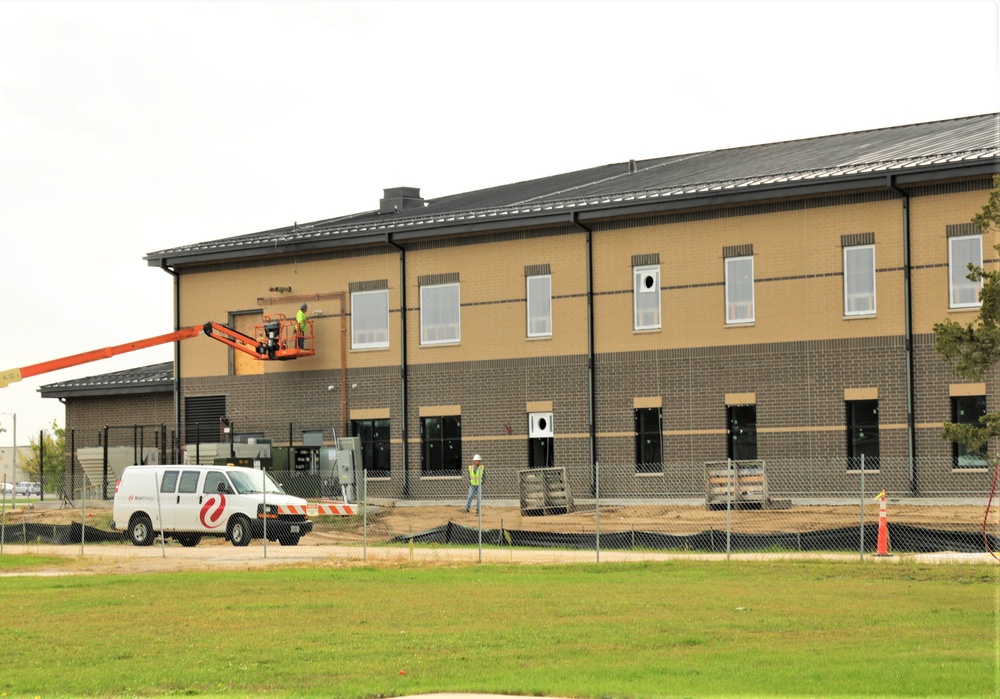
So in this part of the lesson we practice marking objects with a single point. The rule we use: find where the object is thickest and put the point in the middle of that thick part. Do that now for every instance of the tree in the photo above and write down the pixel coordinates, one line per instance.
(53, 445)
(974, 348)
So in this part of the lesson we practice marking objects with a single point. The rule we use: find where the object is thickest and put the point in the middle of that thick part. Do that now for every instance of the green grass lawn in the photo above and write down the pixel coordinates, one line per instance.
(679, 628)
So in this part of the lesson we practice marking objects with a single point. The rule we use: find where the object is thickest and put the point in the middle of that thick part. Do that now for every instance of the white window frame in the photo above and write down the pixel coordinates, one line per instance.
(440, 325)
(859, 302)
(367, 331)
(646, 294)
(963, 292)
(733, 304)
(538, 288)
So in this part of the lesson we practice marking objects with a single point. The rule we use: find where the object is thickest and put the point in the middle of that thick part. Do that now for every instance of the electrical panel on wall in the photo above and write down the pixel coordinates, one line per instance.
(540, 425)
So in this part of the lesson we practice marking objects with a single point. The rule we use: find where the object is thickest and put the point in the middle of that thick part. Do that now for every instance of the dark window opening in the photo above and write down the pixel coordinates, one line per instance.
(862, 434)
(441, 444)
(374, 437)
(742, 427)
(966, 410)
(648, 440)
(540, 452)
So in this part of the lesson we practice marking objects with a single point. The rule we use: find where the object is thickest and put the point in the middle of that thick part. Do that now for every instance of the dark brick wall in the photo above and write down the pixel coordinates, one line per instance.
(87, 417)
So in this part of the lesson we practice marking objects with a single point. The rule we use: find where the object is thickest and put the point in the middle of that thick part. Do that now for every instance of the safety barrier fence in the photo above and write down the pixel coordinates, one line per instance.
(599, 513)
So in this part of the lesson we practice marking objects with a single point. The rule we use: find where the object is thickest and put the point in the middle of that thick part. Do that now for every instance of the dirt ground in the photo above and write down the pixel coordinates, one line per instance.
(386, 521)
(336, 541)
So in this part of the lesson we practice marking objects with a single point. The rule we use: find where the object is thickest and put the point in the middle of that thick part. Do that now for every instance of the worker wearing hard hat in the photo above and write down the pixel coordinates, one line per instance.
(476, 469)
(301, 324)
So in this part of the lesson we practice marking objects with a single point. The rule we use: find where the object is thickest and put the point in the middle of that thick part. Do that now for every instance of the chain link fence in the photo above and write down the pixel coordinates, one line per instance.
(603, 512)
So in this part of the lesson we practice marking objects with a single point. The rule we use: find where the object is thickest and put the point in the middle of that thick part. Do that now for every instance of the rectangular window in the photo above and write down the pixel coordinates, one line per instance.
(648, 440)
(169, 482)
(370, 319)
(966, 410)
(441, 444)
(440, 315)
(189, 482)
(374, 437)
(739, 290)
(859, 280)
(742, 432)
(539, 305)
(964, 250)
(862, 434)
(646, 297)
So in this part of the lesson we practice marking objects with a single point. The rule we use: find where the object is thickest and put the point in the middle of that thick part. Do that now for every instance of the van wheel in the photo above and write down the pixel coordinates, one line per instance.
(189, 539)
(289, 540)
(140, 530)
(239, 530)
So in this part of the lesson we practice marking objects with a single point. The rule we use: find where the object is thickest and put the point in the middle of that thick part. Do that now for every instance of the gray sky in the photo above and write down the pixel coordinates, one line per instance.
(129, 127)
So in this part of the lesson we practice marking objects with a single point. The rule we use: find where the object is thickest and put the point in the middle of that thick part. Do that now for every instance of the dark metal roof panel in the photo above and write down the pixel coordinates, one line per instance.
(155, 378)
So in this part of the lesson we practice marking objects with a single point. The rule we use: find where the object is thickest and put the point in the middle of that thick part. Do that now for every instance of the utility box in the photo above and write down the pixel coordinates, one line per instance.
(328, 471)
(345, 467)
(348, 465)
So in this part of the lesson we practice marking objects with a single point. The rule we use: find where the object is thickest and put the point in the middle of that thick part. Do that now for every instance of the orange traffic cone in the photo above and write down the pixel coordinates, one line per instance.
(882, 548)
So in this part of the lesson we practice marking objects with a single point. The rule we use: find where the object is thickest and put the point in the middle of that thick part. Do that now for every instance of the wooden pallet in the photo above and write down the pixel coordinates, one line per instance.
(740, 484)
(544, 491)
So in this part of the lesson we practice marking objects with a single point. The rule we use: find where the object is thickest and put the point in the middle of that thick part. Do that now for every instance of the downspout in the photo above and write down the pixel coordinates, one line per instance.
(911, 431)
(591, 369)
(403, 362)
(177, 356)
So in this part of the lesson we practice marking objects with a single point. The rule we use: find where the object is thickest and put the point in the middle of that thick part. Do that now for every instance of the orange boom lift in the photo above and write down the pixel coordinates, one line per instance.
(277, 338)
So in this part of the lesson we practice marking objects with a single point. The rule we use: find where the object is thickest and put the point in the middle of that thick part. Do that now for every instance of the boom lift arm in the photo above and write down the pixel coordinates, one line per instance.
(276, 339)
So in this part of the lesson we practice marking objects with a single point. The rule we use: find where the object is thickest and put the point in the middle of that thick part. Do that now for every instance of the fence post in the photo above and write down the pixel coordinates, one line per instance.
(729, 497)
(3, 511)
(861, 545)
(364, 509)
(597, 510)
(479, 513)
(83, 516)
(263, 489)
(159, 515)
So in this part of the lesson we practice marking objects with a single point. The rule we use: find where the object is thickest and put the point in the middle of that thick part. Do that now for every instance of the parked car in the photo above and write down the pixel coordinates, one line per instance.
(7, 488)
(28, 488)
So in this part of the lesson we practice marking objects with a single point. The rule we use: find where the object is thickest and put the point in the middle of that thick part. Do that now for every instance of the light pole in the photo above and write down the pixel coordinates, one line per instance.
(13, 500)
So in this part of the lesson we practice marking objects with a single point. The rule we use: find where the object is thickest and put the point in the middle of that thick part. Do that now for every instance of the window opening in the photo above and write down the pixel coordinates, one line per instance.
(859, 280)
(962, 251)
(440, 315)
(742, 430)
(862, 434)
(539, 291)
(966, 410)
(739, 290)
(646, 296)
(648, 440)
(441, 439)
(375, 450)
(370, 319)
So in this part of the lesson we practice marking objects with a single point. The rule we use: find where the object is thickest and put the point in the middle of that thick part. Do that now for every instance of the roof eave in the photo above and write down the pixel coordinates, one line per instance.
(98, 391)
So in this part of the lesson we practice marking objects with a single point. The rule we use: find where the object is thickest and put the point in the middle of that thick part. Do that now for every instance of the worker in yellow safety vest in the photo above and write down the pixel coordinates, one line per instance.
(301, 325)
(476, 469)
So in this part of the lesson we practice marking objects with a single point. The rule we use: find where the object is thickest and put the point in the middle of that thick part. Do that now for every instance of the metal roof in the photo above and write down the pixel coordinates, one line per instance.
(155, 378)
(864, 159)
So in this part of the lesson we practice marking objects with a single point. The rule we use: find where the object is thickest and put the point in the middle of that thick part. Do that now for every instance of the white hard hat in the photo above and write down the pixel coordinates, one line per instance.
(476, 458)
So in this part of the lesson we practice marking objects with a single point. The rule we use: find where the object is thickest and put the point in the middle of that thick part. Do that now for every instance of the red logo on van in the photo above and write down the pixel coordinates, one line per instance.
(211, 511)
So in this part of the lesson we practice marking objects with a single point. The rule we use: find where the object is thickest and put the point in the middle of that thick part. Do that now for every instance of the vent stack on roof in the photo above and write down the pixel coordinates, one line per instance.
(396, 199)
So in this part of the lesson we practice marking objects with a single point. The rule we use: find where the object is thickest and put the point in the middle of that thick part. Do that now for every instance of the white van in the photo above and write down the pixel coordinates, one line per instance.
(189, 502)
